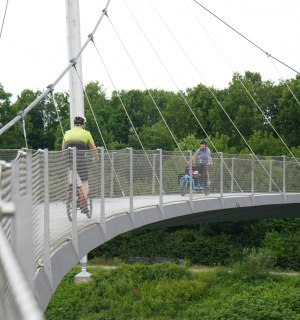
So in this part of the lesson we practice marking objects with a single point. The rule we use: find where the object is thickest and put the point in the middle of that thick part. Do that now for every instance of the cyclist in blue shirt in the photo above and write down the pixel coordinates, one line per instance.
(204, 160)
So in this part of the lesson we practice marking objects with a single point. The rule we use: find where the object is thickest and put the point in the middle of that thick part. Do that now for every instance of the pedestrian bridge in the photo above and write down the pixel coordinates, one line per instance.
(129, 190)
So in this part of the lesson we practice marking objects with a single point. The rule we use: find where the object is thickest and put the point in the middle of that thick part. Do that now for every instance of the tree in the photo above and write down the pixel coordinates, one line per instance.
(264, 143)
(98, 113)
(4, 106)
(289, 115)
(189, 143)
(221, 144)
(62, 119)
(202, 100)
(152, 138)
(35, 120)
(12, 138)
(178, 115)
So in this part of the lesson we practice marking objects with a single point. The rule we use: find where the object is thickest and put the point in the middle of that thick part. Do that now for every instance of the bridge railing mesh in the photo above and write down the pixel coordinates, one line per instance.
(17, 300)
(5, 194)
(16, 297)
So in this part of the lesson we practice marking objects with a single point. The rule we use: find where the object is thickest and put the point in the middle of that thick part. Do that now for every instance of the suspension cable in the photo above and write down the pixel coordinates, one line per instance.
(3, 20)
(119, 97)
(245, 88)
(88, 101)
(70, 65)
(124, 108)
(98, 127)
(247, 39)
(24, 128)
(181, 94)
(148, 91)
(57, 111)
(210, 90)
(286, 83)
(268, 121)
(165, 68)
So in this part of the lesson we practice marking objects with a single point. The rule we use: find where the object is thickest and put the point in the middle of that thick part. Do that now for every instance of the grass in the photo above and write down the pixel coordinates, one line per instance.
(98, 261)
(168, 291)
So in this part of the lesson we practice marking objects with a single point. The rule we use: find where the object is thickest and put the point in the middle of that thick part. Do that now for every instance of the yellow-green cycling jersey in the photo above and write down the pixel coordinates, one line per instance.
(77, 137)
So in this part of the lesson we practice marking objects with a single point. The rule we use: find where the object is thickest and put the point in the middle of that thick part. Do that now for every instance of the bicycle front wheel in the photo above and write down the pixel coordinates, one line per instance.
(184, 186)
(89, 212)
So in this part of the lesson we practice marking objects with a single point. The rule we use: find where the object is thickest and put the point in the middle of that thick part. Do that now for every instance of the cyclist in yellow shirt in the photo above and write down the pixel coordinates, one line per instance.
(81, 139)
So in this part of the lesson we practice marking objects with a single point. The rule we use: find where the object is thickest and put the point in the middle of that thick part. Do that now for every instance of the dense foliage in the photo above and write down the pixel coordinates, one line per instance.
(248, 102)
(211, 244)
(245, 290)
(167, 291)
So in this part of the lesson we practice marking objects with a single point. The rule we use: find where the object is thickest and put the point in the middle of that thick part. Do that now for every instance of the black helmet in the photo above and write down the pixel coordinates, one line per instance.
(79, 121)
(203, 142)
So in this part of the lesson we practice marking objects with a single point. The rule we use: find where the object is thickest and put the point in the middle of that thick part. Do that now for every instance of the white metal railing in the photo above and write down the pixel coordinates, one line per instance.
(36, 182)
(17, 301)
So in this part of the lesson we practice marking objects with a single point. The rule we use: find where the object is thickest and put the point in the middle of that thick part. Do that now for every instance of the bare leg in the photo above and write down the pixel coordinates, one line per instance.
(207, 178)
(85, 188)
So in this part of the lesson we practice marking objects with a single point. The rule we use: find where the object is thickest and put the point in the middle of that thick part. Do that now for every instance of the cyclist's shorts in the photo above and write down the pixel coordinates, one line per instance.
(203, 168)
(81, 166)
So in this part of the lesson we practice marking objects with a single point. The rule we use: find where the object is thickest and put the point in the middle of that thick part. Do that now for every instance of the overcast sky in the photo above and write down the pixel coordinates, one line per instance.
(184, 45)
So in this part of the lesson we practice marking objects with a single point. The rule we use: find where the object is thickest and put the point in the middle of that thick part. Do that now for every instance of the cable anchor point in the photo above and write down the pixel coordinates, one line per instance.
(91, 37)
(51, 88)
(104, 11)
(73, 62)
(22, 116)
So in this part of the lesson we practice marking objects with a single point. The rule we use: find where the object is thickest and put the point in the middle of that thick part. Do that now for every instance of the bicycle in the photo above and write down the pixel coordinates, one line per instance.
(82, 204)
(199, 181)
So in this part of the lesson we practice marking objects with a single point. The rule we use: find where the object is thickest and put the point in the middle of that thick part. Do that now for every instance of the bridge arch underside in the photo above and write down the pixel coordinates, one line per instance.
(234, 208)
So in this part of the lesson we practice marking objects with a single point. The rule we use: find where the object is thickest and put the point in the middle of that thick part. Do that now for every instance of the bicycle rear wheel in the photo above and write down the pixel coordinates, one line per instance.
(69, 204)
(86, 207)
(89, 210)
(207, 188)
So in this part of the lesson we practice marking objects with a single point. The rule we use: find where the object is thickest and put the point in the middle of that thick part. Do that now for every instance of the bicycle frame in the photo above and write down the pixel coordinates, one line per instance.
(199, 186)
(194, 185)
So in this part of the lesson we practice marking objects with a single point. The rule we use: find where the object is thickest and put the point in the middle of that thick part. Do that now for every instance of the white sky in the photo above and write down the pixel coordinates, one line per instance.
(33, 46)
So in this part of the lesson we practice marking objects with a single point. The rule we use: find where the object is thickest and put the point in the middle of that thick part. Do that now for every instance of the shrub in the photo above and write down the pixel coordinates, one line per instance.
(285, 247)
(257, 263)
